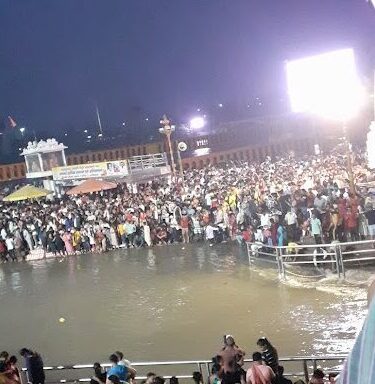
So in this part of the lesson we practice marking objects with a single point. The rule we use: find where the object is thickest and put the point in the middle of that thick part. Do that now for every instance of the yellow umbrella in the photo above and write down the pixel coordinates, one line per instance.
(27, 192)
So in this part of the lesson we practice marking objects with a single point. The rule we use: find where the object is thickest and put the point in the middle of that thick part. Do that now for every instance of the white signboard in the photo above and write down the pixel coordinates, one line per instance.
(91, 171)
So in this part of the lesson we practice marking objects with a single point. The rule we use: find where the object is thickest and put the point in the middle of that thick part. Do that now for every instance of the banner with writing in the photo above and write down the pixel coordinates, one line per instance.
(91, 171)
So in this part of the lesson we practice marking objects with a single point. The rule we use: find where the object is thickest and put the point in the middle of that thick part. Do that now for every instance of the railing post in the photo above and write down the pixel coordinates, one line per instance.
(337, 259)
(314, 365)
(278, 259)
(248, 245)
(342, 261)
(282, 266)
(208, 372)
(306, 371)
(200, 370)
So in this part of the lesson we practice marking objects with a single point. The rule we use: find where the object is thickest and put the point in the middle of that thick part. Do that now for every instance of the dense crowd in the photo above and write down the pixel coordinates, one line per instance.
(227, 367)
(276, 202)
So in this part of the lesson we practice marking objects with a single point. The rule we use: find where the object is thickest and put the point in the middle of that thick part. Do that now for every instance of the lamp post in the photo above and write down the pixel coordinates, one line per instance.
(348, 151)
(167, 130)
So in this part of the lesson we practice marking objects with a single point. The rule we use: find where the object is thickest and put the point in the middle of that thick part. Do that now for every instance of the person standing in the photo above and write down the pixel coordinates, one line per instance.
(184, 224)
(34, 366)
(269, 353)
(10, 247)
(210, 233)
(291, 221)
(316, 228)
(26, 235)
(370, 216)
(231, 360)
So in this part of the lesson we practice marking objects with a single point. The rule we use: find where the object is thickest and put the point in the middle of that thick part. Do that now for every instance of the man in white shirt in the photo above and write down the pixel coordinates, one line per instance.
(210, 233)
(9, 242)
(291, 222)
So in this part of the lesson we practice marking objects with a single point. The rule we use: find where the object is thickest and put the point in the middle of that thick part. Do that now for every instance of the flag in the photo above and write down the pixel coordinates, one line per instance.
(12, 123)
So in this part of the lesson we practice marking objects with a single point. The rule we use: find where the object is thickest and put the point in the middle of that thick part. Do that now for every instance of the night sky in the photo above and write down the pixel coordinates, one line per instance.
(58, 58)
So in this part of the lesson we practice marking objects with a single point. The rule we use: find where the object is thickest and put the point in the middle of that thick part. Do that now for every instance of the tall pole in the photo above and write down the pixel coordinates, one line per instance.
(167, 130)
(349, 160)
(180, 162)
(168, 133)
(99, 121)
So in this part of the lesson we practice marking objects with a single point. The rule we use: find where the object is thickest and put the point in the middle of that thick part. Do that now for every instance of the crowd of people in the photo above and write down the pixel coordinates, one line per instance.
(227, 368)
(277, 201)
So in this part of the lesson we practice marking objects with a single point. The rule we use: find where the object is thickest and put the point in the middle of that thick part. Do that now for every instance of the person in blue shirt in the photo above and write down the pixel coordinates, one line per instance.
(121, 371)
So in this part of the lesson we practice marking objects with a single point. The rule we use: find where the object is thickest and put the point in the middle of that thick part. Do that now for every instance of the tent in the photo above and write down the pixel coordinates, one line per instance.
(91, 185)
(27, 192)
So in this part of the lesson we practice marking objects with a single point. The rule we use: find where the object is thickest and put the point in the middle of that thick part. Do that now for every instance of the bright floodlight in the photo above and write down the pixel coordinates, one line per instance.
(327, 85)
(197, 123)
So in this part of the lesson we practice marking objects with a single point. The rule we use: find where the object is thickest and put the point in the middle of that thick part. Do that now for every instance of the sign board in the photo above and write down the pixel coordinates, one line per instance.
(91, 171)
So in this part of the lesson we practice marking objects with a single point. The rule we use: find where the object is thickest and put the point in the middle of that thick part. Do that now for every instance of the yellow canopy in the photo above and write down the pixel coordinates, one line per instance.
(27, 192)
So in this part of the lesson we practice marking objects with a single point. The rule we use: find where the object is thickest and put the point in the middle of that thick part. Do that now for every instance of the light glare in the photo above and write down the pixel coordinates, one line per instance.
(326, 85)
(197, 123)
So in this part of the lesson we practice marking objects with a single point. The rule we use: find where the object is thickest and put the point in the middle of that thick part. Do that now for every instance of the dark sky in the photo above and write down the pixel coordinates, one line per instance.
(60, 57)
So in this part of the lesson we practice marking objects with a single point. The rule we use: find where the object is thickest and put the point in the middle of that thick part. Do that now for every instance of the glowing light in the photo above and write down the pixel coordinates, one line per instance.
(146, 119)
(89, 136)
(326, 85)
(100, 135)
(85, 131)
(220, 105)
(123, 124)
(22, 129)
(197, 122)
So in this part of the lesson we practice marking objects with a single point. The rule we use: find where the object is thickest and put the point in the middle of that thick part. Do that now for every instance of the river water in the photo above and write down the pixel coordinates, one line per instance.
(167, 303)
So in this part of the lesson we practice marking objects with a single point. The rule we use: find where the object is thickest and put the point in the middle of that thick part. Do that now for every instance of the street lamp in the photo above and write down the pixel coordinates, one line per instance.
(22, 130)
(167, 130)
(327, 85)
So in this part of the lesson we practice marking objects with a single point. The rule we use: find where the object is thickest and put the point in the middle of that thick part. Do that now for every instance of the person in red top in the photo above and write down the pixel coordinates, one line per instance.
(246, 235)
(184, 224)
(351, 224)
(274, 227)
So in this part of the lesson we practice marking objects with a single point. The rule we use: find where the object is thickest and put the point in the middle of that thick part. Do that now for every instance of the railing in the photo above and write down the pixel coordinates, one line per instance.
(295, 366)
(335, 256)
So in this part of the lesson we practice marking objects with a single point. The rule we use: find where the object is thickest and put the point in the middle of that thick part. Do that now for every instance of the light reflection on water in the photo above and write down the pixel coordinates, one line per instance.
(169, 303)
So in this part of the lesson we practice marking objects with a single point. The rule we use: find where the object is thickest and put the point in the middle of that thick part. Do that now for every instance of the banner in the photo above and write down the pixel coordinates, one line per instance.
(91, 171)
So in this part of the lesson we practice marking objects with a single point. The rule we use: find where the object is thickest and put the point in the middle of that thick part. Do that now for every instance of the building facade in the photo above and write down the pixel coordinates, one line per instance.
(240, 140)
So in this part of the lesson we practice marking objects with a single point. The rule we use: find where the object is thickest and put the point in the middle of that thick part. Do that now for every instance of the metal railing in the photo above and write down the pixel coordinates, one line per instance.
(295, 366)
(334, 256)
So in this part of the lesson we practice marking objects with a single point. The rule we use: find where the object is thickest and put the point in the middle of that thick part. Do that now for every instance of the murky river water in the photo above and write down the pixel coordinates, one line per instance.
(168, 303)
